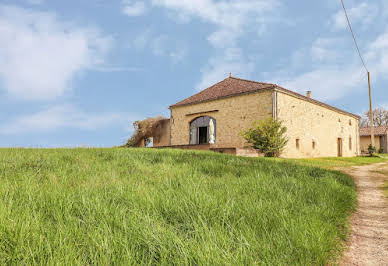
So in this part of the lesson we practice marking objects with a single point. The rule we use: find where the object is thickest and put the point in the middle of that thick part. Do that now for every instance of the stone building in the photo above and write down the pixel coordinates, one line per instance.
(214, 118)
(381, 138)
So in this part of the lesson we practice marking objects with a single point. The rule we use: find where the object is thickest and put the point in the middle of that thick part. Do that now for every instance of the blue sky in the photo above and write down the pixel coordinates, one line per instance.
(79, 72)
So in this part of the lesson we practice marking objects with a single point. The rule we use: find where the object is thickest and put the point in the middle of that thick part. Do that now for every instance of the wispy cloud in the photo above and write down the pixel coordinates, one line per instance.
(134, 8)
(335, 73)
(361, 15)
(64, 116)
(232, 60)
(232, 17)
(108, 69)
(35, 2)
(160, 45)
(40, 55)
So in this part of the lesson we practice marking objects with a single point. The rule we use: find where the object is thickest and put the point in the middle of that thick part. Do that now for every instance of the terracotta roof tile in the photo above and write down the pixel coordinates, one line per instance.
(379, 131)
(235, 86)
(227, 87)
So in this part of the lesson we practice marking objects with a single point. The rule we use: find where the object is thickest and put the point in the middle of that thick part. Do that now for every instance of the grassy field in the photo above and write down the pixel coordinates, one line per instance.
(334, 162)
(124, 206)
(384, 187)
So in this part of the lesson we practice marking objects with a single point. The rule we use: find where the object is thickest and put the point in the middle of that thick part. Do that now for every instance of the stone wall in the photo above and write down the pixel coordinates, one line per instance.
(365, 142)
(318, 126)
(162, 138)
(232, 114)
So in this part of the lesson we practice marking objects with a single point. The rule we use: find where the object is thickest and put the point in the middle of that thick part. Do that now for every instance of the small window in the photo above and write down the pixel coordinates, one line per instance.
(297, 144)
(314, 145)
(339, 120)
(350, 143)
(350, 122)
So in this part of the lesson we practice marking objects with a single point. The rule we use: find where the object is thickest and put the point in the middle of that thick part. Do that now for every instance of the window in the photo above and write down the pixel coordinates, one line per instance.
(297, 144)
(313, 145)
(350, 122)
(350, 143)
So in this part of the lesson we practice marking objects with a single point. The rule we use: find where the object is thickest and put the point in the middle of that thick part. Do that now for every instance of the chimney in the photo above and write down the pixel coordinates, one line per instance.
(308, 94)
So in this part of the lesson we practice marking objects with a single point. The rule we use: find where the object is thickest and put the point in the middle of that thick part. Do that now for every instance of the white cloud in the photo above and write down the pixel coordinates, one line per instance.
(219, 67)
(326, 83)
(108, 69)
(41, 55)
(363, 14)
(231, 17)
(178, 55)
(322, 49)
(341, 72)
(133, 9)
(160, 45)
(62, 117)
(35, 2)
(377, 55)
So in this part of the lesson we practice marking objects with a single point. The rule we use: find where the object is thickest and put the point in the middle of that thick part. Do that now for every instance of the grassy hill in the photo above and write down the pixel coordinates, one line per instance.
(123, 206)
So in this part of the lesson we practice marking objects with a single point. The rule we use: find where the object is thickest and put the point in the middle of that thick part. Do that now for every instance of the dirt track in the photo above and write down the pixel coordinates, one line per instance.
(368, 243)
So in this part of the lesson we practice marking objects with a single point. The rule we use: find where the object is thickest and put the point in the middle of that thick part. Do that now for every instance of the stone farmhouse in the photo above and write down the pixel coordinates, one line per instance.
(381, 138)
(213, 119)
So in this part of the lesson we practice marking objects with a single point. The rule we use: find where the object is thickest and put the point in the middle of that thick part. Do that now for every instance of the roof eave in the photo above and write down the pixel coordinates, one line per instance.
(298, 95)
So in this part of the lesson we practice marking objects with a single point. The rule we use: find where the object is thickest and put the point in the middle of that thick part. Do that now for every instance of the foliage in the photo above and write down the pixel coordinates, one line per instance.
(267, 136)
(380, 118)
(371, 150)
(144, 130)
(381, 150)
(167, 207)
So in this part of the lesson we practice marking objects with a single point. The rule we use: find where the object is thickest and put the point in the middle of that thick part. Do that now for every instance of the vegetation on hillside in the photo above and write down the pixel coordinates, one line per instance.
(335, 162)
(140, 206)
(144, 130)
(267, 136)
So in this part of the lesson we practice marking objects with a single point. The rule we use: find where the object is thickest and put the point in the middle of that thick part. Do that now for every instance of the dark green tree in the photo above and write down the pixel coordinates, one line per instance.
(267, 136)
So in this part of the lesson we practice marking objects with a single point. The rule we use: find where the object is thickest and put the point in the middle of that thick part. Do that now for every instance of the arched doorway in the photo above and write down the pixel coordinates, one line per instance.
(203, 130)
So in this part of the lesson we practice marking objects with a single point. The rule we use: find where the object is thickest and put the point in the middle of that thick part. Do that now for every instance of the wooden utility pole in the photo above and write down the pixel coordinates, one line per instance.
(372, 128)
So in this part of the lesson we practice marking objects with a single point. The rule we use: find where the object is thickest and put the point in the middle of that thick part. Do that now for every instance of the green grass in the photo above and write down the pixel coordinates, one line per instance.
(127, 206)
(334, 162)
(384, 187)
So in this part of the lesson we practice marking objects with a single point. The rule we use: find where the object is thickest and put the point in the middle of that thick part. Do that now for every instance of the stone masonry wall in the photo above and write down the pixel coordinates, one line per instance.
(310, 123)
(232, 114)
(366, 141)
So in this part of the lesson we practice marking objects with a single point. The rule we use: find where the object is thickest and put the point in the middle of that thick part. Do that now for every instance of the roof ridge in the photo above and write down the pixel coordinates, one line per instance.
(253, 81)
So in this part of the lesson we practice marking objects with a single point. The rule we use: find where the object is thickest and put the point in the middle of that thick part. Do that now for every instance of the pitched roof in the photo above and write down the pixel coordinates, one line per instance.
(227, 87)
(232, 86)
(379, 131)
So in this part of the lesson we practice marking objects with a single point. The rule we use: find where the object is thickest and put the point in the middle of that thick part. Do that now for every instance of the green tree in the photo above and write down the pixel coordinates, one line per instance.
(267, 136)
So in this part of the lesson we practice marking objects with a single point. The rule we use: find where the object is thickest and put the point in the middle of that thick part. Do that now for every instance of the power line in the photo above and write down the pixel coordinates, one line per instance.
(354, 37)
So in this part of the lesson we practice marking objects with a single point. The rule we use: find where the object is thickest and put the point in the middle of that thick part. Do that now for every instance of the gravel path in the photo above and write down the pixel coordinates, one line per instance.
(368, 243)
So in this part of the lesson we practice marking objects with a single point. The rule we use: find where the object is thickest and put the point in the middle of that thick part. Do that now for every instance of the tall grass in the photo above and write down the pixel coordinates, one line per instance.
(137, 206)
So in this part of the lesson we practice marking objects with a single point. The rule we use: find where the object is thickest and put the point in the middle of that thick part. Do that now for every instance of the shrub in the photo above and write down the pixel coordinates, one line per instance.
(371, 149)
(381, 150)
(267, 136)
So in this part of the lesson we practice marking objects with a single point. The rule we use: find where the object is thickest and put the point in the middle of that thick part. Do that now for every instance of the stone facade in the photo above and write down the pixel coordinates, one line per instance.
(232, 114)
(380, 143)
(365, 141)
(163, 137)
(316, 128)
